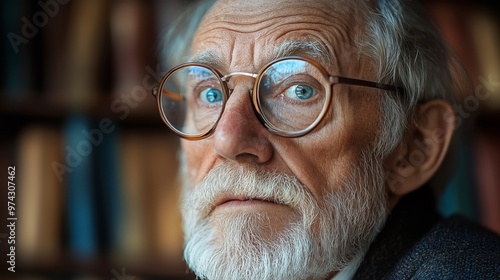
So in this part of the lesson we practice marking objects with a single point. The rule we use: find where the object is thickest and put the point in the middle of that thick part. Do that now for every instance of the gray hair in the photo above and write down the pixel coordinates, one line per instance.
(176, 45)
(406, 48)
(408, 51)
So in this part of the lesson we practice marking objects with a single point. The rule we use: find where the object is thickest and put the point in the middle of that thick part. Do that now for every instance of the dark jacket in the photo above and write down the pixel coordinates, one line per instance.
(417, 244)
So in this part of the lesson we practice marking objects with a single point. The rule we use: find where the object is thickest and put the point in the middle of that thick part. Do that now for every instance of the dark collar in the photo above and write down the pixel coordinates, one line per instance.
(413, 216)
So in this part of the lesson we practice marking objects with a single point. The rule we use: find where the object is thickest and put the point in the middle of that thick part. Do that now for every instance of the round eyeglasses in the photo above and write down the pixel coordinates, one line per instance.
(291, 95)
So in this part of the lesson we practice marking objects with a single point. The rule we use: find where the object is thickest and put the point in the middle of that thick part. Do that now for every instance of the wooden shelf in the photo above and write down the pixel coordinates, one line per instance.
(40, 110)
(103, 267)
(105, 106)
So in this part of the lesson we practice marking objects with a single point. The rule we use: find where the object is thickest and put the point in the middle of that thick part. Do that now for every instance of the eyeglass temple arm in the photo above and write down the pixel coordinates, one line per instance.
(356, 82)
(170, 94)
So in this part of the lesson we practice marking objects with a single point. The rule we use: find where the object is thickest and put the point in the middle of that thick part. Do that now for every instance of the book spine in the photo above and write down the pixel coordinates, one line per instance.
(108, 189)
(81, 216)
(16, 78)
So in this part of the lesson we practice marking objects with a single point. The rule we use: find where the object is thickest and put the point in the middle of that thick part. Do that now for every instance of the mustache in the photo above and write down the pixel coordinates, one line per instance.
(230, 180)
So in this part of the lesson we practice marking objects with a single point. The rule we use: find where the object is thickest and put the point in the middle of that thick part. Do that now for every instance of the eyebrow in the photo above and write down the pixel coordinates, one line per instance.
(207, 57)
(312, 49)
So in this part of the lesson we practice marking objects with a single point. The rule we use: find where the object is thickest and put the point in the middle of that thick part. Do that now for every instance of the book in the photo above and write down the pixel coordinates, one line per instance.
(132, 29)
(39, 194)
(81, 215)
(16, 78)
(133, 238)
(108, 187)
(151, 198)
(133, 47)
(86, 42)
(165, 194)
(54, 37)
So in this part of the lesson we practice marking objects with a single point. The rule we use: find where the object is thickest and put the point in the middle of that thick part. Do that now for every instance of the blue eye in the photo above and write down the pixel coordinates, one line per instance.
(302, 92)
(211, 95)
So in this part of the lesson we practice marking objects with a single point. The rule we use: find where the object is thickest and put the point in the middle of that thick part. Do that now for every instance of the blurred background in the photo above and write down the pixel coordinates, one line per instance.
(96, 191)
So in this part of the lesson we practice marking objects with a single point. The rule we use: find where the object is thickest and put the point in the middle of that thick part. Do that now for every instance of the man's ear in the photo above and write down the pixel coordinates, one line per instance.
(423, 150)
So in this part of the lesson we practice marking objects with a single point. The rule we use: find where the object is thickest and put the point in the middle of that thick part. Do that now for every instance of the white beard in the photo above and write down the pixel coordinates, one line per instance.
(238, 245)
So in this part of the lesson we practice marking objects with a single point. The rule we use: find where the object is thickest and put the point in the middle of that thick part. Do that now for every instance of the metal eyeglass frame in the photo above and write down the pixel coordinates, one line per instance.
(333, 80)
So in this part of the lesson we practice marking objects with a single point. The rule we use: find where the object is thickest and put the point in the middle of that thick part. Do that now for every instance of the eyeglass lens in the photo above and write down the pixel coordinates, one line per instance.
(192, 100)
(291, 95)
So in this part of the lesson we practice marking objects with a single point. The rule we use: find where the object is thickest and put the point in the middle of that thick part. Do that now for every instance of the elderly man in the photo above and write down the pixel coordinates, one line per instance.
(311, 131)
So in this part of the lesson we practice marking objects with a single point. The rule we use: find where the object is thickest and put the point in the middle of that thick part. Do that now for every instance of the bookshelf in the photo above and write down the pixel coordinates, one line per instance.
(116, 205)
(96, 168)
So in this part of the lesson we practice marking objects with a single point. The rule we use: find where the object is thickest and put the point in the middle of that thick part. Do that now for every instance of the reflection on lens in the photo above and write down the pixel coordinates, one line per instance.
(292, 95)
(192, 100)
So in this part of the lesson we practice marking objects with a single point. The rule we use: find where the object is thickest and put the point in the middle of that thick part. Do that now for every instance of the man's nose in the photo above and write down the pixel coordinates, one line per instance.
(239, 135)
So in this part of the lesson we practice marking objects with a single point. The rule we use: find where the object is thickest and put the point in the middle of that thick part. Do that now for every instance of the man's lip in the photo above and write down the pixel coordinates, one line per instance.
(239, 201)
(228, 199)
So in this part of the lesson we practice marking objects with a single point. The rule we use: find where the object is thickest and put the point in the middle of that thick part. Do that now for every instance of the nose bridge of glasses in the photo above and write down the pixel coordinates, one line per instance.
(227, 77)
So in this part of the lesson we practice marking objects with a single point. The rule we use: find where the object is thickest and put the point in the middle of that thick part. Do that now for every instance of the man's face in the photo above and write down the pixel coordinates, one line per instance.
(251, 196)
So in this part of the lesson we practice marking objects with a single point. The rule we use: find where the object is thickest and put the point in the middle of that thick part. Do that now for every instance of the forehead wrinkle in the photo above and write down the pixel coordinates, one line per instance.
(329, 27)
(248, 18)
(226, 21)
(236, 26)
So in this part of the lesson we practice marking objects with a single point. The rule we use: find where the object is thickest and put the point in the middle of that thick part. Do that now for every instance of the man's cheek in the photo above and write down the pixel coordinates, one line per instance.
(193, 156)
(189, 171)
